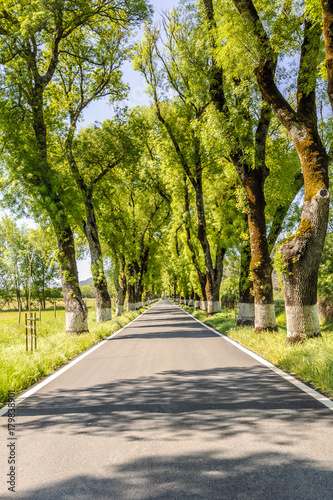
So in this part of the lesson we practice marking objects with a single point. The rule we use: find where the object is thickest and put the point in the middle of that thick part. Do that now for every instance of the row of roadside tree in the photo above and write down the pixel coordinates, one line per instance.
(233, 150)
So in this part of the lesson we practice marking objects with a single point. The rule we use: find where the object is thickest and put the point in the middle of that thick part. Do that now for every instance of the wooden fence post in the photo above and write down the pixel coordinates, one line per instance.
(26, 332)
(35, 330)
(31, 331)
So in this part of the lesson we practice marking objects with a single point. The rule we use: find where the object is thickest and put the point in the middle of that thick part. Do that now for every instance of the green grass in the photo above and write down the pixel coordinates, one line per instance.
(311, 361)
(20, 369)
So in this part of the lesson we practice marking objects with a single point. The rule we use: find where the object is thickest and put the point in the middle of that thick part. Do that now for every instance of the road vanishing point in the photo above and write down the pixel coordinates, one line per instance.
(168, 410)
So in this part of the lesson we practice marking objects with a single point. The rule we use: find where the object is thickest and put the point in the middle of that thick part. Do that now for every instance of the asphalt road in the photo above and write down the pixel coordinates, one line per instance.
(167, 410)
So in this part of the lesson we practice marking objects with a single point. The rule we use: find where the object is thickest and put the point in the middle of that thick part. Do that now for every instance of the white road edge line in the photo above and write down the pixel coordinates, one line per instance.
(59, 372)
(311, 392)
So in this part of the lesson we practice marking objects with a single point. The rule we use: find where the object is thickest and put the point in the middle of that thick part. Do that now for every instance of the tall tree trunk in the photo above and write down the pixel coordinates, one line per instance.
(191, 301)
(246, 297)
(130, 289)
(302, 254)
(282, 210)
(327, 8)
(103, 301)
(214, 283)
(75, 309)
(202, 277)
(213, 275)
(130, 297)
(121, 289)
(138, 290)
(261, 264)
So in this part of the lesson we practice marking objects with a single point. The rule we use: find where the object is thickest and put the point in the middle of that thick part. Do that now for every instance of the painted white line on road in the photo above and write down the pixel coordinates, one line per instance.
(311, 392)
(50, 378)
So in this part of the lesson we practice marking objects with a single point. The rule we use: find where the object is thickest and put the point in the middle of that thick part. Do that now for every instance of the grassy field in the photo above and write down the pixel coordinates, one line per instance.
(311, 361)
(20, 369)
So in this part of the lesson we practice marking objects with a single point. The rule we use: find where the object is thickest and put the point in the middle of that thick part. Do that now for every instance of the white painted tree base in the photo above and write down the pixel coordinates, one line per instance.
(302, 321)
(213, 306)
(264, 316)
(119, 310)
(103, 314)
(203, 305)
(130, 306)
(197, 304)
(245, 313)
(190, 303)
(76, 323)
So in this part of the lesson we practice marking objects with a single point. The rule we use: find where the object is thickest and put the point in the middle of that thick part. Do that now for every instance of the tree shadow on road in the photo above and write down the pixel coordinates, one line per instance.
(222, 401)
(266, 476)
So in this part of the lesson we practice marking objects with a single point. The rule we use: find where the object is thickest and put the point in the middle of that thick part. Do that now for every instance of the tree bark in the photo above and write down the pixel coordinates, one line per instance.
(327, 9)
(213, 274)
(103, 301)
(246, 312)
(301, 259)
(130, 297)
(261, 264)
(121, 289)
(75, 309)
(282, 210)
(202, 277)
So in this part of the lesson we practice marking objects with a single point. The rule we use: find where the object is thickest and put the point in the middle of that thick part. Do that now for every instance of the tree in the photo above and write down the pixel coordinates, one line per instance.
(44, 269)
(86, 73)
(27, 261)
(302, 252)
(14, 262)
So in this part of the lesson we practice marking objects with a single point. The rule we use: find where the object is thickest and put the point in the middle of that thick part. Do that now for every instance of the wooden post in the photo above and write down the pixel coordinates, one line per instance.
(31, 331)
(26, 333)
(19, 312)
(35, 330)
(40, 311)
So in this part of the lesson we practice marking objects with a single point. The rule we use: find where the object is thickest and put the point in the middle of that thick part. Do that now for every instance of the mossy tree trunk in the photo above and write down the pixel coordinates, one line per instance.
(327, 8)
(75, 310)
(102, 297)
(121, 288)
(302, 252)
(253, 180)
(246, 297)
(130, 297)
